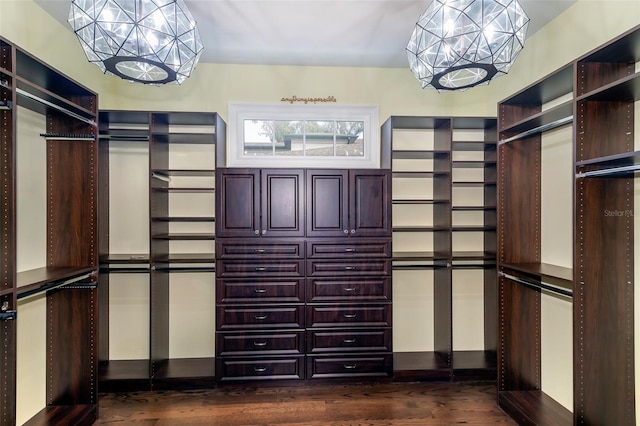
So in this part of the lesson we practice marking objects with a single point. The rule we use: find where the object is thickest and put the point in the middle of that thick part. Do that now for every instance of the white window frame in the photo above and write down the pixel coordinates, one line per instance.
(239, 112)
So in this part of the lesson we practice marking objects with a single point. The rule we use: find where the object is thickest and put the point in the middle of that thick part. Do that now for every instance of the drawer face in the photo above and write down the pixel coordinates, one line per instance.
(351, 249)
(247, 317)
(324, 268)
(250, 249)
(255, 268)
(369, 289)
(323, 341)
(349, 316)
(229, 369)
(373, 365)
(243, 344)
(260, 291)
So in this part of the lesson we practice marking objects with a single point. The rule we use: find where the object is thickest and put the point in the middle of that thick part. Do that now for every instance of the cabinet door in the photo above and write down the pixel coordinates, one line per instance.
(238, 206)
(327, 203)
(369, 203)
(282, 203)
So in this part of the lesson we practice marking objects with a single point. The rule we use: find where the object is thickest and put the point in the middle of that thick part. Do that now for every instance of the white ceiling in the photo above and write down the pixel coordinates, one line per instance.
(367, 33)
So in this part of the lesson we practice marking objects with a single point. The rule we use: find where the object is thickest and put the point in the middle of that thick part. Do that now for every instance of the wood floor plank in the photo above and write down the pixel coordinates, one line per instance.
(344, 404)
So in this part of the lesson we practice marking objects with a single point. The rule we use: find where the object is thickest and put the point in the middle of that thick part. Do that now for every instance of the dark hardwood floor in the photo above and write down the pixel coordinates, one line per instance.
(345, 404)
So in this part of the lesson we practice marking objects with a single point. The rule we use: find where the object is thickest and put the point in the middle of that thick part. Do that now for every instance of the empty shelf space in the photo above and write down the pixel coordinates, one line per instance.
(184, 236)
(560, 115)
(186, 258)
(42, 279)
(471, 183)
(624, 89)
(419, 154)
(409, 228)
(472, 208)
(416, 201)
(463, 360)
(182, 172)
(418, 255)
(185, 368)
(415, 174)
(124, 369)
(184, 138)
(186, 219)
(185, 190)
(125, 258)
(534, 407)
(420, 365)
(472, 228)
(618, 164)
(473, 255)
(543, 275)
(476, 164)
(473, 146)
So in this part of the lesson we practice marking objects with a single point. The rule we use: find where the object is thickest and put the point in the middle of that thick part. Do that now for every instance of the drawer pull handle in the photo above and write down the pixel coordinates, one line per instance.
(260, 268)
(350, 366)
(349, 289)
(349, 268)
(260, 251)
(260, 344)
(260, 290)
(352, 340)
(349, 250)
(261, 317)
(259, 369)
(350, 316)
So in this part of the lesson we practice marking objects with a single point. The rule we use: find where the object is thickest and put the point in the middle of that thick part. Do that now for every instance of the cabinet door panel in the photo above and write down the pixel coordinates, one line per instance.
(260, 291)
(358, 366)
(260, 268)
(238, 208)
(259, 249)
(243, 344)
(323, 268)
(326, 341)
(349, 316)
(260, 369)
(282, 203)
(248, 317)
(369, 203)
(363, 289)
(327, 203)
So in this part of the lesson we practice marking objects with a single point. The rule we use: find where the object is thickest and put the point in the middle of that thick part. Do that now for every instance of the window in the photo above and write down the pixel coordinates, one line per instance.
(328, 136)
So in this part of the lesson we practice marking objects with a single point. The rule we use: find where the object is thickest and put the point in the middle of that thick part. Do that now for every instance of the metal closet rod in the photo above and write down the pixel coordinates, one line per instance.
(52, 105)
(538, 285)
(53, 285)
(539, 129)
(611, 171)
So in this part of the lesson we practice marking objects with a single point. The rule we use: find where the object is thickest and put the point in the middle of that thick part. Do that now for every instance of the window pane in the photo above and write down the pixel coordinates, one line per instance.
(258, 137)
(350, 139)
(320, 138)
(289, 137)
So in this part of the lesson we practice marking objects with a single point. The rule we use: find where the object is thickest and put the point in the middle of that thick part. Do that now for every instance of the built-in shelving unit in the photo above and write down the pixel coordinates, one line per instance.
(68, 277)
(181, 148)
(603, 86)
(444, 198)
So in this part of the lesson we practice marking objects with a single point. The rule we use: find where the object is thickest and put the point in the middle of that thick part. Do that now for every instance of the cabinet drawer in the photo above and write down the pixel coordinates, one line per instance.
(348, 268)
(250, 249)
(247, 317)
(230, 369)
(357, 366)
(349, 316)
(323, 341)
(350, 249)
(370, 289)
(239, 269)
(260, 291)
(243, 344)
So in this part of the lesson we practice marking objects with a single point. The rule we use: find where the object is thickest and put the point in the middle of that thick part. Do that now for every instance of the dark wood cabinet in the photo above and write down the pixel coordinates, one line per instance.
(275, 295)
(348, 203)
(260, 203)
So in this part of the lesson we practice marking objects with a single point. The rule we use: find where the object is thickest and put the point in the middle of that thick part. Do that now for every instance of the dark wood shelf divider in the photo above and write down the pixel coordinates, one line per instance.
(604, 86)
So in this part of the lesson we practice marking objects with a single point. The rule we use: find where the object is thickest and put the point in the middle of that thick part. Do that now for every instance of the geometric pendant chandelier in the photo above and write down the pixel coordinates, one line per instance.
(458, 44)
(145, 41)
